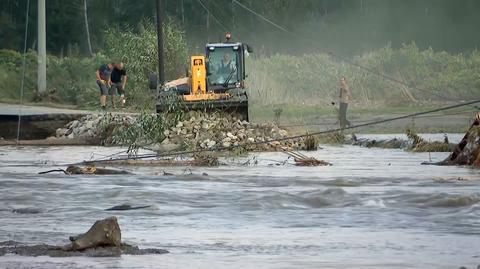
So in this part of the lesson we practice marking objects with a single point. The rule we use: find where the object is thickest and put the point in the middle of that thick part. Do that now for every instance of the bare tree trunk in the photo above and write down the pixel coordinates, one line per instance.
(87, 30)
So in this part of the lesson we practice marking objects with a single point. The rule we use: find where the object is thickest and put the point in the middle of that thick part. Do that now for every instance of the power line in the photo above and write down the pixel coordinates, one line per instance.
(211, 14)
(261, 16)
(344, 59)
(362, 121)
(248, 144)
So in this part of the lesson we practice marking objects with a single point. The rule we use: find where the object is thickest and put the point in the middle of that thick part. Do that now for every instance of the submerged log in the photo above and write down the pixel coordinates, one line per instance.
(467, 152)
(77, 170)
(125, 207)
(104, 233)
(197, 160)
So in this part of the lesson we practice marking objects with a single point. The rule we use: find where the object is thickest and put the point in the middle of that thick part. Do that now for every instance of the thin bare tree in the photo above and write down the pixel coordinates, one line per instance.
(87, 30)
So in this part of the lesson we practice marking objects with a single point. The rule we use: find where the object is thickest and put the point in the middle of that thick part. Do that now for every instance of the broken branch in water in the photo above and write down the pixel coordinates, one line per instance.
(197, 160)
(304, 160)
(54, 170)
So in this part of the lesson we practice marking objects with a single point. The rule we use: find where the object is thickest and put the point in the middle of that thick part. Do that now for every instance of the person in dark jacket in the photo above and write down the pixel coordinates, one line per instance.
(103, 81)
(119, 80)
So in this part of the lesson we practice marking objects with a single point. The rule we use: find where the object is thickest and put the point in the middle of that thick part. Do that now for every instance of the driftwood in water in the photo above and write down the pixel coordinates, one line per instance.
(303, 160)
(394, 143)
(414, 143)
(197, 160)
(77, 170)
(421, 145)
(467, 152)
(104, 233)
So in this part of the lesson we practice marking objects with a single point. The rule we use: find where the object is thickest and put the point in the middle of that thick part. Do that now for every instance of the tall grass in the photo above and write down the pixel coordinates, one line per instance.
(313, 79)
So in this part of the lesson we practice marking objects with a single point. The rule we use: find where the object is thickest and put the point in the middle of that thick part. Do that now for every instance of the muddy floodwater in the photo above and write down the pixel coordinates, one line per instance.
(374, 208)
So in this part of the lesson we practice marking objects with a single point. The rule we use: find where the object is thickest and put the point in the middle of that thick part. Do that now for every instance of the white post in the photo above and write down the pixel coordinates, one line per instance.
(42, 49)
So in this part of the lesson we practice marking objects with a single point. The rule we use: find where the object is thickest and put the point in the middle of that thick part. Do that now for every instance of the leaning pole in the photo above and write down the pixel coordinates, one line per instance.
(161, 67)
(42, 49)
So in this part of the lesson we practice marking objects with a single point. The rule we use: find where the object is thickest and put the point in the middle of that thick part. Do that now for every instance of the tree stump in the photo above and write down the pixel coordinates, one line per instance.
(467, 152)
(104, 233)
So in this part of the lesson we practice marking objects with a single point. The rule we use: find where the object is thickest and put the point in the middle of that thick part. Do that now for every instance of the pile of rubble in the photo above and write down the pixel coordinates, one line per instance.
(220, 130)
(196, 130)
(92, 126)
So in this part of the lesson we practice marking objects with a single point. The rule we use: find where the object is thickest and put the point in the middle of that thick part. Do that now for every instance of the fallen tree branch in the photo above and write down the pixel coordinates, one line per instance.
(304, 160)
(54, 170)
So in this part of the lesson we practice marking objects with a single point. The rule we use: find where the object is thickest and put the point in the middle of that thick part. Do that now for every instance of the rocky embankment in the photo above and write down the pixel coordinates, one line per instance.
(195, 130)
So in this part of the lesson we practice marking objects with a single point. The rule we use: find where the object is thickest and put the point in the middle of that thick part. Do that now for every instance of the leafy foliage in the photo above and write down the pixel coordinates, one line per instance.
(138, 49)
(70, 80)
(146, 129)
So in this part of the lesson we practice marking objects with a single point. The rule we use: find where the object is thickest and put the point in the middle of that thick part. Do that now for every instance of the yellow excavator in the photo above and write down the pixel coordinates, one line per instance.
(215, 82)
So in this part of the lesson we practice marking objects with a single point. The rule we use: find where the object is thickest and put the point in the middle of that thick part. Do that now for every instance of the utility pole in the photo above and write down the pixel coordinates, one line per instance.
(232, 5)
(208, 22)
(42, 49)
(183, 14)
(161, 67)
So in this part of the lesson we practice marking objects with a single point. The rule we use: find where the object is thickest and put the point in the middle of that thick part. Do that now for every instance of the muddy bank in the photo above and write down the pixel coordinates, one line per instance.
(52, 141)
(18, 248)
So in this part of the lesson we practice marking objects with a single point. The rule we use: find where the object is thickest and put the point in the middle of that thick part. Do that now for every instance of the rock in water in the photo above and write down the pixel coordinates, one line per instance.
(102, 240)
(103, 233)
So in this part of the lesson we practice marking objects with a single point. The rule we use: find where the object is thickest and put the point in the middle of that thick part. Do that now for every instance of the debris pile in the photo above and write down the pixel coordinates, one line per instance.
(421, 145)
(93, 126)
(197, 130)
(414, 143)
(206, 131)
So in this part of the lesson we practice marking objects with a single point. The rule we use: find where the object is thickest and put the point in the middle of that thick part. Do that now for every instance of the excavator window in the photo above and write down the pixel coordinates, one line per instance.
(223, 66)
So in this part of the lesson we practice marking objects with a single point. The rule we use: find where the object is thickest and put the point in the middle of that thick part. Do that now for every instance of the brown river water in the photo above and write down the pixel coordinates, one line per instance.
(373, 208)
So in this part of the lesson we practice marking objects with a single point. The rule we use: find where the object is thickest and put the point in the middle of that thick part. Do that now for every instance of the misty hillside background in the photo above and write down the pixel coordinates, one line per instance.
(429, 45)
(346, 26)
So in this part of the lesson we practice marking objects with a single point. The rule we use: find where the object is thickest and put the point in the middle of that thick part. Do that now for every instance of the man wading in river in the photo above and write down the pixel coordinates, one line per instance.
(345, 98)
(104, 82)
(119, 80)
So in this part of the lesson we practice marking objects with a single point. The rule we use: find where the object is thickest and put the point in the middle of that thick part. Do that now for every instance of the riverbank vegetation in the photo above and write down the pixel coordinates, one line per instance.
(71, 79)
(310, 80)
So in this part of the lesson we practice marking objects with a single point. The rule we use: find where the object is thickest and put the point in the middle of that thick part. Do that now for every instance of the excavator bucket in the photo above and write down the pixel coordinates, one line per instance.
(235, 105)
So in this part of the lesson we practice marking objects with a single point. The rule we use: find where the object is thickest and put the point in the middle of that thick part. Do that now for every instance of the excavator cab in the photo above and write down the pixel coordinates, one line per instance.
(216, 83)
(226, 66)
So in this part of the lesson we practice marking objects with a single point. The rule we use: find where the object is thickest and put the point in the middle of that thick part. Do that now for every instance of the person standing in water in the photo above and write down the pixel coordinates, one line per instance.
(345, 98)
